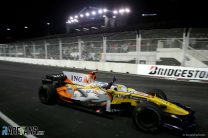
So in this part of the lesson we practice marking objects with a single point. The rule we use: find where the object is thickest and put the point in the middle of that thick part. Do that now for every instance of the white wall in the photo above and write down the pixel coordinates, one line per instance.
(103, 66)
(149, 57)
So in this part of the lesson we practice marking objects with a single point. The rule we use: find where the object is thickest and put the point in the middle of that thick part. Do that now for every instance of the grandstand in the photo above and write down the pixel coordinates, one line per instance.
(173, 46)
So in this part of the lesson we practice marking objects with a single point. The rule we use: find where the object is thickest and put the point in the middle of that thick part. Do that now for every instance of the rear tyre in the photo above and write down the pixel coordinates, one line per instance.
(147, 117)
(158, 93)
(47, 94)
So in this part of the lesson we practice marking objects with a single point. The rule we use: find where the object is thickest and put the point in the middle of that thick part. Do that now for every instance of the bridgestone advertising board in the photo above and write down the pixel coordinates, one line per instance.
(173, 72)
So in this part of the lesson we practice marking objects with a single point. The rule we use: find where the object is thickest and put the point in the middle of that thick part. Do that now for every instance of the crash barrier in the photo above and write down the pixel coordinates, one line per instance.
(103, 66)
(173, 72)
(166, 72)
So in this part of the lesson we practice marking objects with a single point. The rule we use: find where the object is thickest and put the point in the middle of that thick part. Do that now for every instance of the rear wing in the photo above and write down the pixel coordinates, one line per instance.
(80, 78)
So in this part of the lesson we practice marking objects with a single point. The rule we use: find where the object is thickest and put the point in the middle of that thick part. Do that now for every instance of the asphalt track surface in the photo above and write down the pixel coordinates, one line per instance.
(19, 101)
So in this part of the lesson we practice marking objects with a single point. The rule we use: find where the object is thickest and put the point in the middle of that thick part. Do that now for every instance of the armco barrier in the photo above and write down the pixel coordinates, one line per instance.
(103, 66)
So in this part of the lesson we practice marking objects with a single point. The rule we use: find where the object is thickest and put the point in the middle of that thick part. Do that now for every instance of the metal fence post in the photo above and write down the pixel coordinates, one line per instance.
(34, 50)
(16, 51)
(46, 49)
(138, 46)
(80, 48)
(104, 48)
(1, 50)
(187, 42)
(60, 49)
(5, 51)
(1, 54)
(9, 51)
(185, 45)
(24, 50)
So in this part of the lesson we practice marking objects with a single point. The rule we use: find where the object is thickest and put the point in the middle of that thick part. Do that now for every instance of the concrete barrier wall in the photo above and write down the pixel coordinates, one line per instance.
(103, 66)
(115, 67)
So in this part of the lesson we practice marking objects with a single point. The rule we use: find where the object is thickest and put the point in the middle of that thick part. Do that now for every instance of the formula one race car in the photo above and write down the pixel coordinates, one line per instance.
(150, 110)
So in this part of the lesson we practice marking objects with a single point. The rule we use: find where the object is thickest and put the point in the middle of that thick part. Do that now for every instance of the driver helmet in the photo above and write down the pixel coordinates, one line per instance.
(120, 88)
(92, 75)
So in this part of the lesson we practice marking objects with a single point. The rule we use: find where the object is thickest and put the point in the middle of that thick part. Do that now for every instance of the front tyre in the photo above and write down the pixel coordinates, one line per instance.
(147, 117)
(47, 94)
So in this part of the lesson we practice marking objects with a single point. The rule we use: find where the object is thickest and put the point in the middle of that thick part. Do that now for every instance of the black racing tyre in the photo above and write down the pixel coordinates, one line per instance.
(147, 117)
(47, 94)
(158, 93)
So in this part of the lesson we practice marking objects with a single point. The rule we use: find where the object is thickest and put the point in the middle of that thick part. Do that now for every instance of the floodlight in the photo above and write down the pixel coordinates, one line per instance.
(81, 15)
(100, 11)
(77, 29)
(87, 14)
(85, 29)
(26, 27)
(121, 11)
(94, 27)
(71, 17)
(104, 16)
(127, 10)
(150, 14)
(93, 13)
(76, 16)
(69, 22)
(115, 12)
(114, 16)
(105, 10)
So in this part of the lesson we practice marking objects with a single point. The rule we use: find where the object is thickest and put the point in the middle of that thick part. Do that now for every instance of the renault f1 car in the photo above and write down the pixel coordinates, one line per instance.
(150, 110)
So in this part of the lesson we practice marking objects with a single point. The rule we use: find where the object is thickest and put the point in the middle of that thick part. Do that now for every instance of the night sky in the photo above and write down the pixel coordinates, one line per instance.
(15, 14)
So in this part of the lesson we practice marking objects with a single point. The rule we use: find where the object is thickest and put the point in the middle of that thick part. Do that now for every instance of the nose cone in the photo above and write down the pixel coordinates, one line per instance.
(169, 107)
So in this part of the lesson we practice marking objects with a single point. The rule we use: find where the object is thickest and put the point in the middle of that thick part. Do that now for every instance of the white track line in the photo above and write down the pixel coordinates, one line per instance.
(12, 123)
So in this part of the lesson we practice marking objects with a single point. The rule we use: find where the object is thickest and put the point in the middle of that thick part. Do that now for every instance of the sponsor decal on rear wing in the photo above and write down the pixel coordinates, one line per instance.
(79, 78)
(76, 77)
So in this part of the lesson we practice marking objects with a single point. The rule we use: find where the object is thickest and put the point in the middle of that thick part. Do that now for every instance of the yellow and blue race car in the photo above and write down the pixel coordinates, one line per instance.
(150, 110)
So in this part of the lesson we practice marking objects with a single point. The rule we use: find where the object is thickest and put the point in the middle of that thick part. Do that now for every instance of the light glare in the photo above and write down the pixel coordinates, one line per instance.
(104, 10)
(93, 13)
(115, 11)
(121, 11)
(127, 10)
(100, 11)
(87, 14)
(69, 22)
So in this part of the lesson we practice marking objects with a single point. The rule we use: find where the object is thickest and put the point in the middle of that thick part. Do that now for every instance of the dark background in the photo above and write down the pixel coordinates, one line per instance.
(15, 14)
